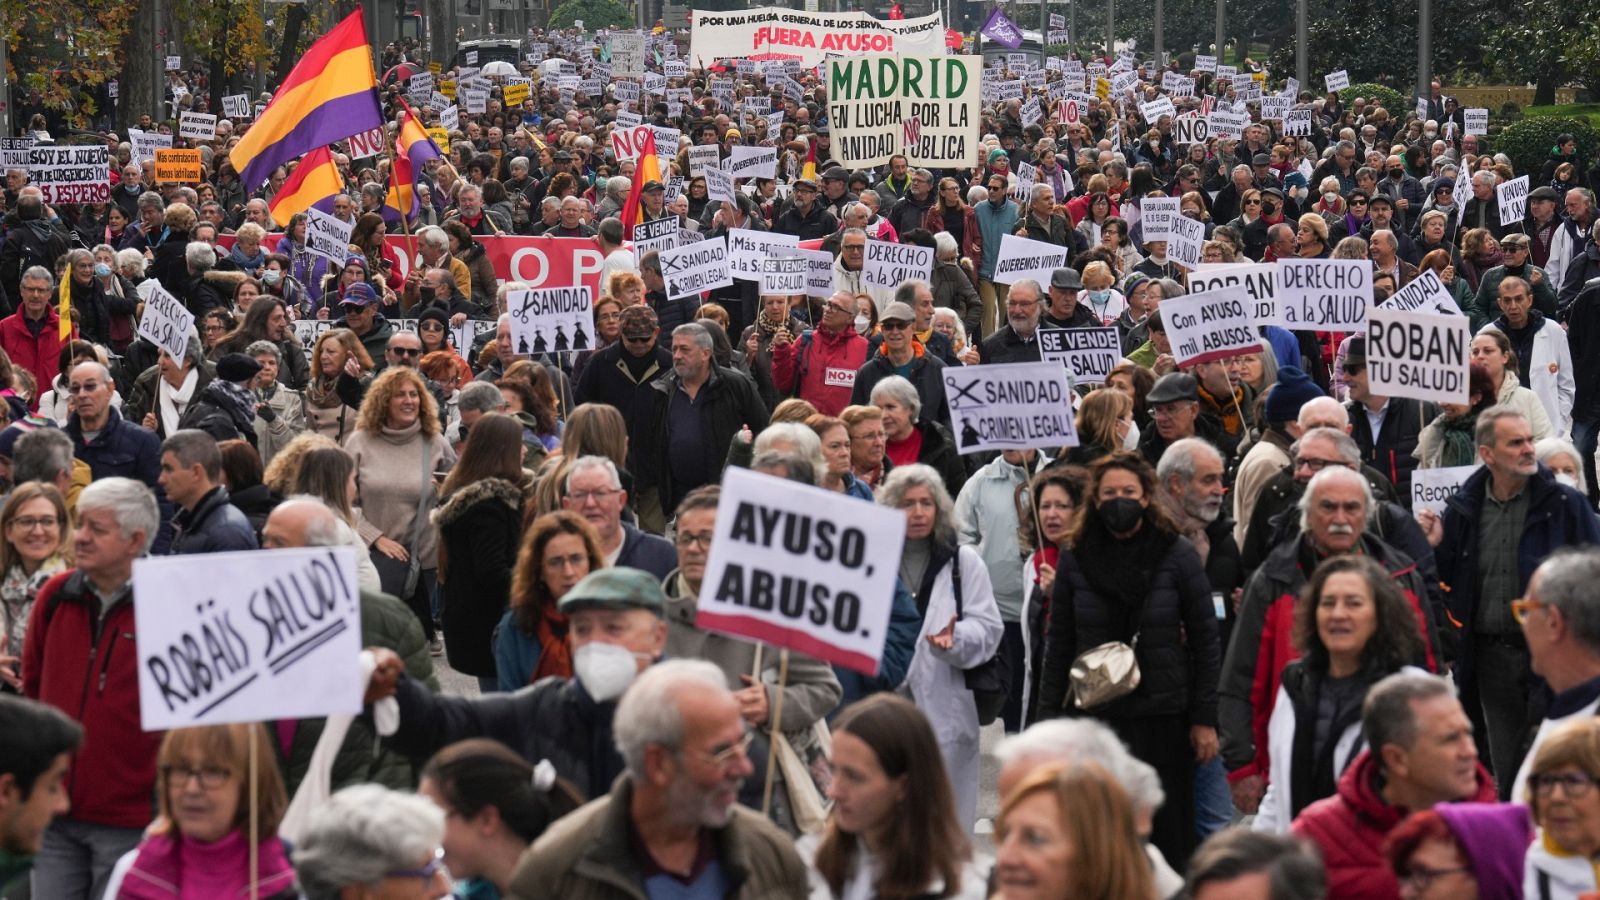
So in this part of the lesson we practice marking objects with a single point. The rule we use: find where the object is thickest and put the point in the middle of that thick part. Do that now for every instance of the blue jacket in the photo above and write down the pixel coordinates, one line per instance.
(1558, 516)
(994, 224)
(215, 526)
(516, 655)
(905, 623)
(647, 552)
(123, 449)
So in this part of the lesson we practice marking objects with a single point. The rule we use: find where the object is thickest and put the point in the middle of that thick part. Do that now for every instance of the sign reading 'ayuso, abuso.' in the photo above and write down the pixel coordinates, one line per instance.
(871, 98)
(807, 36)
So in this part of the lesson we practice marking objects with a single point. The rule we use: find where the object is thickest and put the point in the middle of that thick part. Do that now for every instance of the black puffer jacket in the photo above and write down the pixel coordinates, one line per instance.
(554, 719)
(1178, 651)
(479, 527)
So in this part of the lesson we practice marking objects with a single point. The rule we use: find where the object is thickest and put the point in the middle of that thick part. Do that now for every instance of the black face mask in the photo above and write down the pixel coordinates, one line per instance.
(1397, 174)
(1268, 209)
(1121, 514)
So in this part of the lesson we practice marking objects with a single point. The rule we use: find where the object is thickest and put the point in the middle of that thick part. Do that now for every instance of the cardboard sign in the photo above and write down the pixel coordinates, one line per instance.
(278, 638)
(1424, 293)
(78, 174)
(1324, 294)
(1476, 121)
(1012, 406)
(783, 276)
(1021, 258)
(887, 265)
(1431, 489)
(236, 106)
(1156, 215)
(1087, 354)
(1513, 200)
(1418, 355)
(753, 162)
(440, 137)
(197, 126)
(551, 320)
(746, 250)
(179, 166)
(1258, 282)
(14, 152)
(870, 97)
(690, 269)
(1204, 327)
(800, 567)
(165, 321)
(328, 237)
(719, 185)
(1338, 80)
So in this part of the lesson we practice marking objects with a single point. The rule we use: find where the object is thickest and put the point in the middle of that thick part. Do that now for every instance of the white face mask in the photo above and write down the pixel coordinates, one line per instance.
(1567, 480)
(861, 324)
(1130, 441)
(605, 670)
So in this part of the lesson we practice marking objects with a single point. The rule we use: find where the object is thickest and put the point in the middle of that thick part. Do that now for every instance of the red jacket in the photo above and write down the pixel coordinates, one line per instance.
(1350, 828)
(820, 367)
(40, 355)
(94, 678)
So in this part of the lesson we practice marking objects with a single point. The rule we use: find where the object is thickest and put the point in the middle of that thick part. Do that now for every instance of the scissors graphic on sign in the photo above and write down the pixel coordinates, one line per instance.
(961, 392)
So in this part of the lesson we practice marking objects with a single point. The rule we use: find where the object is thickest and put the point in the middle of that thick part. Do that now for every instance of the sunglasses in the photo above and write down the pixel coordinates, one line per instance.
(405, 351)
(891, 325)
(638, 339)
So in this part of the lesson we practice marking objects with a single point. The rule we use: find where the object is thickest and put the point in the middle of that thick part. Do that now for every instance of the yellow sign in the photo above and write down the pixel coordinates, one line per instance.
(1102, 89)
(515, 94)
(435, 68)
(448, 88)
(178, 166)
(440, 137)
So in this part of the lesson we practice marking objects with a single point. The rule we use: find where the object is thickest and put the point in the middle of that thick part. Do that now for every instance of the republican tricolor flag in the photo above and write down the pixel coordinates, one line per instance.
(412, 148)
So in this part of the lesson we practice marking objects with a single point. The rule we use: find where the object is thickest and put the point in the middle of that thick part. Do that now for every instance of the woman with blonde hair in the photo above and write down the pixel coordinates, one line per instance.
(1069, 831)
(1105, 419)
(626, 288)
(199, 843)
(401, 453)
(336, 356)
(530, 642)
(1099, 295)
(592, 429)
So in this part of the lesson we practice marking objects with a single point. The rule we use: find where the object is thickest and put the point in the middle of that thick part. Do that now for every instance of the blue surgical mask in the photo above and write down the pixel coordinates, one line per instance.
(101, 270)
(271, 276)
(1100, 296)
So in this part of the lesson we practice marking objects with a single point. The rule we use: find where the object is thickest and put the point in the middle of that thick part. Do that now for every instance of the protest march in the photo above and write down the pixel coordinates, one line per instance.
(776, 452)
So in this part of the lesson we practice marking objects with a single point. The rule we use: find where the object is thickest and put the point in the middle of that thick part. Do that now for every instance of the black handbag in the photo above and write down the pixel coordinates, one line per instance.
(990, 680)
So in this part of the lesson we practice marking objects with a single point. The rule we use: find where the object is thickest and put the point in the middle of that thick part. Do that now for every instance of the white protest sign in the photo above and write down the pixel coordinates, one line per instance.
(1421, 294)
(1297, 123)
(1087, 354)
(656, 234)
(1203, 63)
(1275, 108)
(1512, 197)
(1324, 294)
(1338, 80)
(888, 264)
(690, 269)
(1021, 258)
(719, 185)
(1256, 281)
(1190, 128)
(174, 63)
(368, 143)
(327, 237)
(1151, 112)
(1227, 124)
(78, 174)
(869, 97)
(746, 250)
(819, 272)
(475, 101)
(753, 162)
(197, 126)
(236, 106)
(14, 152)
(551, 320)
(703, 157)
(279, 637)
(1157, 214)
(166, 322)
(1012, 406)
(1208, 326)
(627, 53)
(801, 567)
(628, 119)
(626, 90)
(1431, 489)
(1476, 121)
(146, 143)
(783, 276)
(1418, 355)
(1183, 247)
(450, 117)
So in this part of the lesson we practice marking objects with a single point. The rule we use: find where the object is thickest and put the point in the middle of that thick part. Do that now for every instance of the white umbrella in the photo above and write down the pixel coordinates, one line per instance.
(499, 68)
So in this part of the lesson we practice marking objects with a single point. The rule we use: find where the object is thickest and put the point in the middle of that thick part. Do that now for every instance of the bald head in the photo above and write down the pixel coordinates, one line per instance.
(301, 522)
(1323, 412)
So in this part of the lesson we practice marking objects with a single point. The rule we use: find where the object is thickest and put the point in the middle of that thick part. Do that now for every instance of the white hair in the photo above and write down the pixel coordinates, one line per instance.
(1075, 741)
(133, 504)
(648, 713)
(434, 237)
(361, 833)
(792, 437)
(586, 463)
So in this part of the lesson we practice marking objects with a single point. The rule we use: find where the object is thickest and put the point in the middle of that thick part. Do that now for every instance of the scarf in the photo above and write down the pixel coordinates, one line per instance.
(322, 392)
(1124, 585)
(173, 401)
(168, 865)
(1457, 446)
(555, 656)
(768, 326)
(238, 401)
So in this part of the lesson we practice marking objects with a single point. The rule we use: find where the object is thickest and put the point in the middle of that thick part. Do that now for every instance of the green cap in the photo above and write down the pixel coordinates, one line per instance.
(616, 588)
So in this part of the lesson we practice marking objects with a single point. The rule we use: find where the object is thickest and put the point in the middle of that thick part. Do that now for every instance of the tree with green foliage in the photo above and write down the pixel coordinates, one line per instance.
(593, 14)
(1529, 142)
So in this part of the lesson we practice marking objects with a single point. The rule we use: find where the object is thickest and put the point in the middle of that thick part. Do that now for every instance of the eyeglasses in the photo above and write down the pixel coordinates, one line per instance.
(854, 247)
(1522, 606)
(210, 777)
(686, 540)
(721, 758)
(600, 496)
(425, 873)
(1419, 878)
(86, 388)
(29, 523)
(1574, 784)
(1316, 465)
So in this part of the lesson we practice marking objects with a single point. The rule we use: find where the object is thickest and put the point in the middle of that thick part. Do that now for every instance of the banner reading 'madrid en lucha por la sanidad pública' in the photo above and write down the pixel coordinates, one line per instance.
(807, 36)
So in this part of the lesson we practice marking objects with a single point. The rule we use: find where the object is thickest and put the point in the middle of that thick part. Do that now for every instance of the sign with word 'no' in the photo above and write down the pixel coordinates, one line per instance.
(1011, 406)
(803, 568)
(278, 638)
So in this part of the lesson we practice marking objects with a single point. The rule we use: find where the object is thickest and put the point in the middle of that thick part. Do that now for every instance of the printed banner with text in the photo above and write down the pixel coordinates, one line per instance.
(927, 107)
(807, 36)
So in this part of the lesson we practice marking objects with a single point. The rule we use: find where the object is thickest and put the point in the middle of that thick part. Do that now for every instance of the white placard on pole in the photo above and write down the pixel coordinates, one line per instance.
(1010, 406)
(551, 320)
